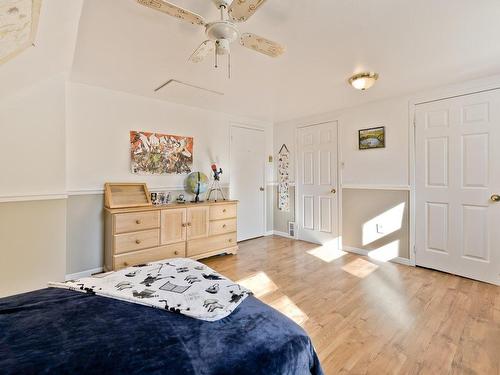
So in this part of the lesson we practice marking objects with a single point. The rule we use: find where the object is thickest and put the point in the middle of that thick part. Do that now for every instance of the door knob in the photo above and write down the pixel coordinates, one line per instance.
(495, 198)
(261, 188)
(333, 191)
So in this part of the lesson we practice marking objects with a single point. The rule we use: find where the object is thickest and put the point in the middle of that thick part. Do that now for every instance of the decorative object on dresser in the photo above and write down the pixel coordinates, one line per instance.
(118, 195)
(215, 188)
(197, 183)
(138, 235)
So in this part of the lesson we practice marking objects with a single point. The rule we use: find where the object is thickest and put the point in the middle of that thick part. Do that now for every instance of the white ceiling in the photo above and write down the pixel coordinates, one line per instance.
(412, 44)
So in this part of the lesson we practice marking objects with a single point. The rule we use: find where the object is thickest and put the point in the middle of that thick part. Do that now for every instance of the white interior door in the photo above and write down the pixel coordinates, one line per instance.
(247, 180)
(317, 184)
(457, 178)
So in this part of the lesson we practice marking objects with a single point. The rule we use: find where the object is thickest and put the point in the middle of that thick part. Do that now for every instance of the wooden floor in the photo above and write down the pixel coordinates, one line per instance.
(368, 317)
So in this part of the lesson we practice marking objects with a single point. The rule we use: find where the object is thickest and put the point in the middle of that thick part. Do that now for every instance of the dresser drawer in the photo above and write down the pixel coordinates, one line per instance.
(136, 241)
(222, 211)
(205, 245)
(177, 250)
(134, 221)
(222, 226)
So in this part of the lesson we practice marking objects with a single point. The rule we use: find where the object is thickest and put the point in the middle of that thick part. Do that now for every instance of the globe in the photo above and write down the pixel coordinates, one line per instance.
(197, 183)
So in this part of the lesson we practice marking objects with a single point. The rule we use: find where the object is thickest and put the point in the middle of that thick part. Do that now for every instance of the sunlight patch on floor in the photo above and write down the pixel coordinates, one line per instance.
(360, 268)
(260, 284)
(385, 253)
(286, 306)
(326, 253)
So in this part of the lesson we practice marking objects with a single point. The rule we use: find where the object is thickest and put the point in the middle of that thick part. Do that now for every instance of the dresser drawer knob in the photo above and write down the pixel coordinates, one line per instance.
(125, 264)
(223, 225)
(230, 240)
(176, 252)
(137, 242)
(137, 221)
(224, 210)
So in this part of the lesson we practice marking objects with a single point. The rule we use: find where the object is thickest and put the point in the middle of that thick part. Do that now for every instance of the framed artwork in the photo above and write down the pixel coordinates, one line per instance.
(372, 138)
(155, 153)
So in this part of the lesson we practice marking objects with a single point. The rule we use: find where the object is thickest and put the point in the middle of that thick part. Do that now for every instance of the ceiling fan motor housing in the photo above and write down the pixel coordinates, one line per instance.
(222, 30)
(222, 46)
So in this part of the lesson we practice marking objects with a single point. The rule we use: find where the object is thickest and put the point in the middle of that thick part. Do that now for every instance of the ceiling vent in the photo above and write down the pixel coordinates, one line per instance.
(174, 82)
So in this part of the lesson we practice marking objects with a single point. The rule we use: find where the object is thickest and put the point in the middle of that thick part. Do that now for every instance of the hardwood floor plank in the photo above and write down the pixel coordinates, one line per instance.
(370, 317)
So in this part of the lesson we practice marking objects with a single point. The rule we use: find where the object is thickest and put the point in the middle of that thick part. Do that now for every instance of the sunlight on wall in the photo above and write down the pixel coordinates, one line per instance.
(286, 306)
(360, 268)
(385, 253)
(260, 284)
(386, 223)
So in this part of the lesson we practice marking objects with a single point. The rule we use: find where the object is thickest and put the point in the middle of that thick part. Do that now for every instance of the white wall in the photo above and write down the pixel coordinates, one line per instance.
(32, 122)
(387, 167)
(33, 235)
(99, 121)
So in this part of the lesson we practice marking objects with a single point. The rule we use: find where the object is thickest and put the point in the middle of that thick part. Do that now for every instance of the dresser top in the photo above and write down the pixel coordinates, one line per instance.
(168, 206)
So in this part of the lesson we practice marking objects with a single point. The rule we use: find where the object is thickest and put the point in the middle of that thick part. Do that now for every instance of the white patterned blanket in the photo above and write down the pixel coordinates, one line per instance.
(178, 285)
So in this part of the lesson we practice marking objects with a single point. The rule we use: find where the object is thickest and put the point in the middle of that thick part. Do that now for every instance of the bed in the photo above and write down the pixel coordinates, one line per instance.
(57, 331)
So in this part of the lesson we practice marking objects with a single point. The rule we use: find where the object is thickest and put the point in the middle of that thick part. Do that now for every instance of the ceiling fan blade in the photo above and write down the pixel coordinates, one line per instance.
(242, 10)
(202, 51)
(262, 45)
(174, 11)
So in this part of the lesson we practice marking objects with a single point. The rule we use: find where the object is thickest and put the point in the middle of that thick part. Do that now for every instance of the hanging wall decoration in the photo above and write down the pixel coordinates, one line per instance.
(284, 179)
(154, 153)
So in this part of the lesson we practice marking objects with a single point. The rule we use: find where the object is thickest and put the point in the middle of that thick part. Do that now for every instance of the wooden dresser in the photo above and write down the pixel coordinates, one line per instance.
(145, 234)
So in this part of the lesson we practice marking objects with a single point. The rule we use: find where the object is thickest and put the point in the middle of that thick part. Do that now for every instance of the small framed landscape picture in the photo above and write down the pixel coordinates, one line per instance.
(372, 138)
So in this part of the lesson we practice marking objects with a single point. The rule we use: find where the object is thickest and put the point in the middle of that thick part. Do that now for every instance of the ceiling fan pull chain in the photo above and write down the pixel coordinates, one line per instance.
(216, 56)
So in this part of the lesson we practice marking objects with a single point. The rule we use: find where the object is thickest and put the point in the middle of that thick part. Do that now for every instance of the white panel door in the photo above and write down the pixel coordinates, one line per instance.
(457, 180)
(247, 180)
(317, 184)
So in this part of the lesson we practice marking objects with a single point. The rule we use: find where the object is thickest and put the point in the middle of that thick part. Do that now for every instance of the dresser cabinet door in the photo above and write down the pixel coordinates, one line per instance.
(197, 222)
(173, 226)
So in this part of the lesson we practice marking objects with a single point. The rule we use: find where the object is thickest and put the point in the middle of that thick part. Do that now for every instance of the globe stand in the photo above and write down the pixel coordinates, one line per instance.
(215, 188)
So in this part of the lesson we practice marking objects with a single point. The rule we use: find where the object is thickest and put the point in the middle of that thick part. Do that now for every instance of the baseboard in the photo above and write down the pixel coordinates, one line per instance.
(268, 233)
(79, 275)
(282, 234)
(364, 252)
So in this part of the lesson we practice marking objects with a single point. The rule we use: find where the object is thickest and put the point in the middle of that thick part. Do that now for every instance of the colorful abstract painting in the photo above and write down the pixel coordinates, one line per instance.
(155, 153)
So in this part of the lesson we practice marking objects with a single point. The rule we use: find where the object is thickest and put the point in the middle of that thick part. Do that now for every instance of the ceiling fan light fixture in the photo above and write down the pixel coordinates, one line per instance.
(363, 81)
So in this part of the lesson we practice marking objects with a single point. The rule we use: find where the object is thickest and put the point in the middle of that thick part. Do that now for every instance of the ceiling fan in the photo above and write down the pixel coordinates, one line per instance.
(221, 34)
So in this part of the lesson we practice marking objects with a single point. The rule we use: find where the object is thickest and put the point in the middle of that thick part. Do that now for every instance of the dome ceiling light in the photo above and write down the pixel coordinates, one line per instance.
(363, 81)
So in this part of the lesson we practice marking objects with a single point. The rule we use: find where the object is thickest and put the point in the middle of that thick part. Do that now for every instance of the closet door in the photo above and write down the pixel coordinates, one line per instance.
(173, 225)
(458, 185)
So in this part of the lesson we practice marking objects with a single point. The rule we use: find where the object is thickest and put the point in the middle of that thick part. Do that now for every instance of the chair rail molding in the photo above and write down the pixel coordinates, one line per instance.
(33, 197)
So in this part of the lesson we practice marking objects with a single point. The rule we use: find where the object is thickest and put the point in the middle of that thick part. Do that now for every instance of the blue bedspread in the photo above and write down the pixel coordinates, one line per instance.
(55, 331)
